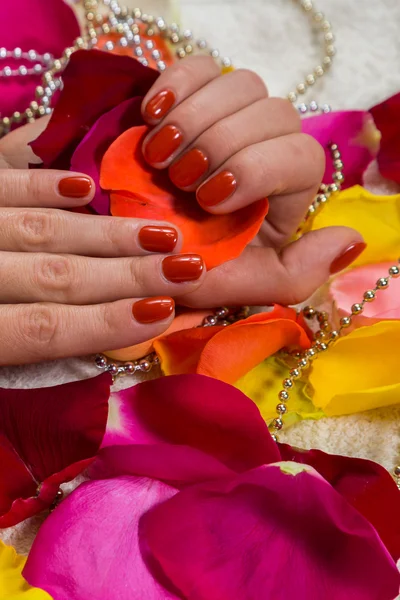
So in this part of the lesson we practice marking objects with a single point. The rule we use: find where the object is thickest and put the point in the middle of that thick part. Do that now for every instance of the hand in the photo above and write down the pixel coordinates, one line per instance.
(223, 137)
(72, 284)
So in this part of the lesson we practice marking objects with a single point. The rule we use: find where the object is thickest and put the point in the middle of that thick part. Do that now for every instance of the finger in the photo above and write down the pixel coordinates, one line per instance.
(47, 188)
(43, 230)
(200, 111)
(37, 332)
(15, 152)
(266, 119)
(68, 279)
(284, 166)
(261, 276)
(178, 82)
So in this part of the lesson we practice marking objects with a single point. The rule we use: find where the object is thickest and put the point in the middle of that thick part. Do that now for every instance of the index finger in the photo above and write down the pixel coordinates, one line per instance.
(177, 83)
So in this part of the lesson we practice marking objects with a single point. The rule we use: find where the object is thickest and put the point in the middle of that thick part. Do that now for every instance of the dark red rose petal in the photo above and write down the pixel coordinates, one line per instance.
(387, 119)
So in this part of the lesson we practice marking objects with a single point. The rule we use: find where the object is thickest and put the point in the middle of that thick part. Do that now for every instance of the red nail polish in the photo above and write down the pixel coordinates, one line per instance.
(217, 189)
(182, 267)
(157, 107)
(347, 257)
(188, 169)
(163, 144)
(158, 239)
(75, 187)
(151, 310)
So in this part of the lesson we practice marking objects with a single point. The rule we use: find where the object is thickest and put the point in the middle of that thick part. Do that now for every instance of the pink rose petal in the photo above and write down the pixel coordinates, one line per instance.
(41, 25)
(88, 155)
(196, 411)
(348, 288)
(355, 135)
(89, 547)
(268, 534)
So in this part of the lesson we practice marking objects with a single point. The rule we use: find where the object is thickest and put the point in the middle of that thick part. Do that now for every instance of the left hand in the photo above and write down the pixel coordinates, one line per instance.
(225, 138)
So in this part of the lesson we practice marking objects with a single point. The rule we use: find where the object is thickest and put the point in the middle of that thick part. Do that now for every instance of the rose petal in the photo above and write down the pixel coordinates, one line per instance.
(94, 83)
(250, 341)
(139, 191)
(12, 585)
(47, 437)
(88, 155)
(364, 484)
(43, 26)
(387, 118)
(273, 532)
(159, 43)
(356, 136)
(195, 411)
(348, 288)
(89, 546)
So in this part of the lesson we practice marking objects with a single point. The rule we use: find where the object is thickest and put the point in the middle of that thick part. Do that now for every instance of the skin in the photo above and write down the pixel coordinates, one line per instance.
(52, 261)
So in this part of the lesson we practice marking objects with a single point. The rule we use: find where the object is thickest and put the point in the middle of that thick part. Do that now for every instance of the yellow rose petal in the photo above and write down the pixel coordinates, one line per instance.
(12, 584)
(377, 218)
(360, 372)
(263, 383)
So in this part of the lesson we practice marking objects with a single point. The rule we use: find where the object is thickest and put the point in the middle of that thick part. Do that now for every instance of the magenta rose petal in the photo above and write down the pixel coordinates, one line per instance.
(47, 437)
(88, 155)
(387, 119)
(89, 546)
(364, 484)
(357, 139)
(41, 25)
(176, 465)
(278, 532)
(94, 83)
(196, 411)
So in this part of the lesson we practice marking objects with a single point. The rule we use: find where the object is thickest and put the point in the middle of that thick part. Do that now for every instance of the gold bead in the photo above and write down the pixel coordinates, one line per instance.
(309, 312)
(332, 188)
(68, 52)
(48, 76)
(369, 296)
(324, 325)
(29, 114)
(334, 334)
(281, 409)
(301, 88)
(345, 322)
(295, 373)
(330, 50)
(303, 362)
(320, 335)
(287, 383)
(338, 177)
(382, 283)
(307, 5)
(310, 79)
(357, 309)
(181, 53)
(39, 91)
(338, 164)
(326, 25)
(42, 111)
(274, 437)
(327, 61)
(329, 37)
(34, 105)
(283, 395)
(322, 316)
(311, 353)
(394, 271)
(321, 346)
(106, 28)
(318, 17)
(189, 49)
(319, 71)
(17, 117)
(175, 38)
(277, 424)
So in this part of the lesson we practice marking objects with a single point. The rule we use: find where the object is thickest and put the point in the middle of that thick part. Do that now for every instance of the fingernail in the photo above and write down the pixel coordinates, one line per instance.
(217, 189)
(163, 144)
(158, 239)
(151, 310)
(157, 107)
(183, 267)
(347, 257)
(188, 169)
(75, 187)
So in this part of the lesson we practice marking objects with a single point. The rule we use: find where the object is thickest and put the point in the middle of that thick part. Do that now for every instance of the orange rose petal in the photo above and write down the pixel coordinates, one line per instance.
(160, 44)
(187, 320)
(228, 353)
(139, 191)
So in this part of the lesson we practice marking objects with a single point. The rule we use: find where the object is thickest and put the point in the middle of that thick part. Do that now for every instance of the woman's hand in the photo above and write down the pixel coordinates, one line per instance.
(71, 284)
(223, 137)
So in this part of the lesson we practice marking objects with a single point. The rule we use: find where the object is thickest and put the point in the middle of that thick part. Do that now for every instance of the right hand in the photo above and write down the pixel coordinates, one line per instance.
(71, 284)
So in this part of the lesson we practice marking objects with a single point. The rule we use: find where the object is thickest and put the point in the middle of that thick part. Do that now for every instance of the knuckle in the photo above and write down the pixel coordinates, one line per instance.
(35, 186)
(314, 152)
(35, 229)
(288, 114)
(138, 274)
(223, 137)
(108, 321)
(251, 80)
(38, 327)
(188, 70)
(54, 274)
(113, 234)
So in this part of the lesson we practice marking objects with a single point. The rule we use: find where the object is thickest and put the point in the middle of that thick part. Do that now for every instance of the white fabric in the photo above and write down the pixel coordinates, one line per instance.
(273, 37)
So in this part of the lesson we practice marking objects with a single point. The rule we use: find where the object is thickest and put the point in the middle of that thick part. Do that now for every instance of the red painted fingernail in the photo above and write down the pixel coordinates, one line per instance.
(183, 267)
(217, 189)
(347, 257)
(157, 107)
(188, 169)
(151, 310)
(163, 144)
(75, 187)
(158, 239)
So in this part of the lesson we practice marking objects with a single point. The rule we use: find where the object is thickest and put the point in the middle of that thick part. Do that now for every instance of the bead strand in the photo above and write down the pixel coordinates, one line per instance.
(317, 19)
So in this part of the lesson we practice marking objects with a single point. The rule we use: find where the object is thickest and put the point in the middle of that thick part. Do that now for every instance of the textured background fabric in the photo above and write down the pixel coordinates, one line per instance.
(274, 38)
